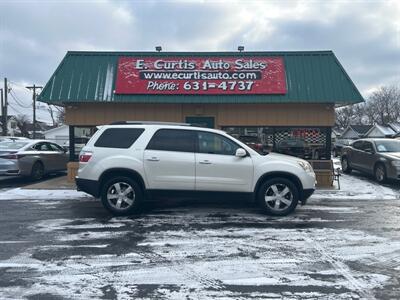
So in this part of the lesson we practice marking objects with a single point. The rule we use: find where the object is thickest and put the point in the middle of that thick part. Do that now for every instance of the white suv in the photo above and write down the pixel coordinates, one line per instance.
(127, 162)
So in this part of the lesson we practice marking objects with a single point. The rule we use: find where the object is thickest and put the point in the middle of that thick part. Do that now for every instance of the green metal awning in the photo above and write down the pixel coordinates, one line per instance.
(311, 77)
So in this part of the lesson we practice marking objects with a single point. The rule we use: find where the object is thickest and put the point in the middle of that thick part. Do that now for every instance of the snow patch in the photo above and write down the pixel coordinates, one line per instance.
(22, 194)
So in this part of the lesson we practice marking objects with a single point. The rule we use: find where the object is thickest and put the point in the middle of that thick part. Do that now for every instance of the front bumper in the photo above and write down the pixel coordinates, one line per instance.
(392, 172)
(305, 195)
(92, 187)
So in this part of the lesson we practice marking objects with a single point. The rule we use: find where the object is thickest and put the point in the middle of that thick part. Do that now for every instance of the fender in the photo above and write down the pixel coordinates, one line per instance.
(275, 174)
(123, 172)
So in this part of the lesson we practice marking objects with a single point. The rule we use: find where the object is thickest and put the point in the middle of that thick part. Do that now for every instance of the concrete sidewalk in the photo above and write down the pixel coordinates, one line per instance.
(59, 183)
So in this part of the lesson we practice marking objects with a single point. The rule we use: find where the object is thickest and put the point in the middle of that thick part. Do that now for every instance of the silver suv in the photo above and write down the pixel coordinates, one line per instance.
(127, 162)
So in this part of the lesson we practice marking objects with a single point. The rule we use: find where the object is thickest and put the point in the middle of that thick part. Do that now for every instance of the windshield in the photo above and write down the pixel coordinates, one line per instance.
(388, 146)
(12, 145)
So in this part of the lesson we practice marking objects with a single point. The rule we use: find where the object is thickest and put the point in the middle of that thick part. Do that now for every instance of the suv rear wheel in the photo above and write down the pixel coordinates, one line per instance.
(278, 196)
(121, 196)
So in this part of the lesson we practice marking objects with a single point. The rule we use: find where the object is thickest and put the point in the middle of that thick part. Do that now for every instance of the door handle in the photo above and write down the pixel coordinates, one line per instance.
(153, 159)
(205, 162)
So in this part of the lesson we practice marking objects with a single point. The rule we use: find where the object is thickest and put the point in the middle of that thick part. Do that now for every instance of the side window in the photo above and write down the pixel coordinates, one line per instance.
(215, 144)
(118, 137)
(173, 140)
(42, 147)
(367, 147)
(55, 147)
(358, 145)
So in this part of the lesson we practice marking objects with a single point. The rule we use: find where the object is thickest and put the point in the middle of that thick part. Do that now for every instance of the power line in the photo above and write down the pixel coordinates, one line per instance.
(15, 109)
(20, 85)
(18, 102)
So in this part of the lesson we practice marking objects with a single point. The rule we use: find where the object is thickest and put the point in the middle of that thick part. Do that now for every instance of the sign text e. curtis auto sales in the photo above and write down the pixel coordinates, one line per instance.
(201, 75)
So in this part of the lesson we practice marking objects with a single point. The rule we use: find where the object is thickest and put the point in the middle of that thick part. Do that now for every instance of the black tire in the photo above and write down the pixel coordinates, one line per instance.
(335, 153)
(125, 207)
(380, 173)
(278, 207)
(345, 165)
(37, 171)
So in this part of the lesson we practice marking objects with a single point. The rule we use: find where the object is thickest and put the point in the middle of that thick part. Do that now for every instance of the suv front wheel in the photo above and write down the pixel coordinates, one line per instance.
(121, 196)
(278, 196)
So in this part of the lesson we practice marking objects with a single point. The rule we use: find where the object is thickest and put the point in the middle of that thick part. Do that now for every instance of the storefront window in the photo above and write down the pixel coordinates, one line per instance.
(81, 135)
(312, 143)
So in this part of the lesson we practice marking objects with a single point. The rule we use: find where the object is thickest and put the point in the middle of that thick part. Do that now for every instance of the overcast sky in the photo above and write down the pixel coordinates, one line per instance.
(35, 35)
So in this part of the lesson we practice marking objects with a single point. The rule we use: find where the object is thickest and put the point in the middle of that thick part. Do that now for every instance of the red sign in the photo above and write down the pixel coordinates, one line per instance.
(201, 75)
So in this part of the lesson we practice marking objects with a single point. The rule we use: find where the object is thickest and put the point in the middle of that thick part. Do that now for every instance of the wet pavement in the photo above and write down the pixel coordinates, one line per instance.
(220, 248)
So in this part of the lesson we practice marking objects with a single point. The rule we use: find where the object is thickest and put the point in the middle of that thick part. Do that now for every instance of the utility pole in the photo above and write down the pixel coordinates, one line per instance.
(34, 87)
(4, 107)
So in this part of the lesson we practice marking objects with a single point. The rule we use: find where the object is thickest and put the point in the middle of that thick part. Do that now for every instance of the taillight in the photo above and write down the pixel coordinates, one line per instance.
(85, 156)
(12, 156)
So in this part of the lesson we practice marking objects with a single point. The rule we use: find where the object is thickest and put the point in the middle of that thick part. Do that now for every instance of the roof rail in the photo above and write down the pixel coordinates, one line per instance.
(148, 123)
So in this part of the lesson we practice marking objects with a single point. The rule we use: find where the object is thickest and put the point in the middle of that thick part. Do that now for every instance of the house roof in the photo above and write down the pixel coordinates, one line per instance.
(395, 127)
(385, 130)
(311, 77)
(361, 129)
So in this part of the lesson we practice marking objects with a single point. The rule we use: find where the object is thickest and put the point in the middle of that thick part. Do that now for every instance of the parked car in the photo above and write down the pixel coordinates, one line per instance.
(12, 138)
(294, 147)
(253, 142)
(378, 157)
(33, 158)
(127, 163)
(338, 146)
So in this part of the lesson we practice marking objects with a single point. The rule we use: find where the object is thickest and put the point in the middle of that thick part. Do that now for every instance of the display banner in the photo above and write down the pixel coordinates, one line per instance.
(211, 75)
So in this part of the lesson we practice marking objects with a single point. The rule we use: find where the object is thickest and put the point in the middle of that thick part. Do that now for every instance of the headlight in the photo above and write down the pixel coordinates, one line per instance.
(396, 163)
(306, 166)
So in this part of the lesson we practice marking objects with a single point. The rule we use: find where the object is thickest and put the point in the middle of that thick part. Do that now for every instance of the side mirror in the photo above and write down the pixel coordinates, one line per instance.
(240, 152)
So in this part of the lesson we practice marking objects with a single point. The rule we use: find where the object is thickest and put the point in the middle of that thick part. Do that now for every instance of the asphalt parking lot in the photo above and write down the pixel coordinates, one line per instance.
(336, 247)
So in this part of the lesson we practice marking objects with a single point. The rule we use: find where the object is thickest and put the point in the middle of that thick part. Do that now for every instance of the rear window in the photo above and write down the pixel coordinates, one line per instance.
(118, 137)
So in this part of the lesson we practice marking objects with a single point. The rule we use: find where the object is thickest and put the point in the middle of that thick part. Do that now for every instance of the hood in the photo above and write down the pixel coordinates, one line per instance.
(289, 158)
(392, 155)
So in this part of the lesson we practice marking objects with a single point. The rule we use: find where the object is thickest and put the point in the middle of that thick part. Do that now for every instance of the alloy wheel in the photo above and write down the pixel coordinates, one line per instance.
(38, 171)
(121, 195)
(380, 173)
(278, 197)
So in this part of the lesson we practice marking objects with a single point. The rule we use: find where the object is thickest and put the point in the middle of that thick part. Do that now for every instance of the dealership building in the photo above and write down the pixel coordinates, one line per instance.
(281, 101)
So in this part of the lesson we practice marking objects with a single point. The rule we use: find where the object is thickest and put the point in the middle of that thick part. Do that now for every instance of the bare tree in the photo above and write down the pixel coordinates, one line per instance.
(385, 104)
(382, 107)
(51, 111)
(22, 124)
(60, 114)
(349, 115)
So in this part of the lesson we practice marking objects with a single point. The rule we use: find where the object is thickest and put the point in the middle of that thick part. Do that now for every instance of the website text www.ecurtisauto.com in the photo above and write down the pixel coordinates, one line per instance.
(199, 75)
